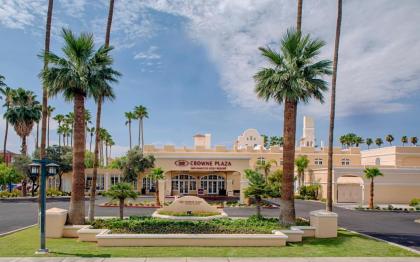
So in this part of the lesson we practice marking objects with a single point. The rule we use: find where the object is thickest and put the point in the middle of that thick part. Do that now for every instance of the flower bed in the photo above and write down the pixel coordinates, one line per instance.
(389, 208)
(134, 204)
(148, 225)
(188, 214)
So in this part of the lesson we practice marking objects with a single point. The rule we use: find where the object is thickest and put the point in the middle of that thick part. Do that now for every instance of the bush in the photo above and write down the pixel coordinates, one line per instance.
(6, 194)
(415, 202)
(55, 192)
(309, 192)
(149, 225)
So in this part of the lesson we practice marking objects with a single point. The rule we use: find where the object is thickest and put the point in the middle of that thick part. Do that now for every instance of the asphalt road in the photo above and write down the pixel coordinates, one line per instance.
(391, 226)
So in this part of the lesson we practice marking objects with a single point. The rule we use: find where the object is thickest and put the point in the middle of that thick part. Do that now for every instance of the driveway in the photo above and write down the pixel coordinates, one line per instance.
(391, 226)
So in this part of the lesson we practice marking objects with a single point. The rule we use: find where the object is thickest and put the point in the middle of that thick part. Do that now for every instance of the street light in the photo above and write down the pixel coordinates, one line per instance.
(44, 168)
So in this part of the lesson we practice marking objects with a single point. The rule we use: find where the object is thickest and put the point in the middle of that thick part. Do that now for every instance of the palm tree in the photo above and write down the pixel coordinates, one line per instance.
(358, 140)
(50, 109)
(295, 76)
(413, 140)
(265, 166)
(76, 76)
(157, 174)
(299, 16)
(104, 92)
(379, 142)
(2, 83)
(7, 93)
(141, 113)
(44, 87)
(91, 131)
(389, 139)
(332, 107)
(369, 141)
(371, 173)
(111, 143)
(69, 120)
(59, 118)
(121, 191)
(404, 140)
(302, 163)
(129, 116)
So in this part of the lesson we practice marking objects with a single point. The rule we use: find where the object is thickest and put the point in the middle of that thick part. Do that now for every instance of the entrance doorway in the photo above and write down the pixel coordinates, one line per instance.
(213, 184)
(183, 184)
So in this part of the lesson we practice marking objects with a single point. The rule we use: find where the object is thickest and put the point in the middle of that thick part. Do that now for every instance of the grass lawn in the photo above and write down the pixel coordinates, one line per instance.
(24, 243)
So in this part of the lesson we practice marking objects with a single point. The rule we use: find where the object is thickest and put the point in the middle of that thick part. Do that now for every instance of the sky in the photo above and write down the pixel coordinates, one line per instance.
(191, 63)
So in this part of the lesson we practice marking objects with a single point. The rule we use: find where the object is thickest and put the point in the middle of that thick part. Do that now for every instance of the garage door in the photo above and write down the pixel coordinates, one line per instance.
(349, 193)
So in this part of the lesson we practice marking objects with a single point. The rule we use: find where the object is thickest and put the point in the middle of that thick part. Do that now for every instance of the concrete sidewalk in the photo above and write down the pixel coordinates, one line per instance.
(209, 259)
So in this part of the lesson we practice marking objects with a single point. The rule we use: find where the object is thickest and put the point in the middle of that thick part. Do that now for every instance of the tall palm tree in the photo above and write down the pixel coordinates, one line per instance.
(59, 118)
(371, 173)
(91, 131)
(155, 175)
(369, 141)
(111, 144)
(141, 113)
(302, 163)
(414, 140)
(299, 16)
(332, 107)
(76, 76)
(389, 139)
(69, 120)
(23, 112)
(106, 92)
(7, 94)
(295, 76)
(50, 109)
(404, 140)
(129, 116)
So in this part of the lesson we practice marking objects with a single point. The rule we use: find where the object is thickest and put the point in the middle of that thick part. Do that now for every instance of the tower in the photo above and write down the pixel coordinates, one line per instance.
(308, 137)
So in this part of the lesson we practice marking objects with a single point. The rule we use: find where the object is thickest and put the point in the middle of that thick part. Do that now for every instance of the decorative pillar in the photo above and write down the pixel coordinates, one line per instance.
(161, 185)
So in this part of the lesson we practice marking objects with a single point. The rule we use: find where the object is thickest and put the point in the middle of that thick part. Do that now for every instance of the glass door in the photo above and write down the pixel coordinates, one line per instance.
(183, 187)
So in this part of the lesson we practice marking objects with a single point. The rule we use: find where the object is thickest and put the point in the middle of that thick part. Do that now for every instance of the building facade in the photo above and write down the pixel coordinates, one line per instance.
(204, 170)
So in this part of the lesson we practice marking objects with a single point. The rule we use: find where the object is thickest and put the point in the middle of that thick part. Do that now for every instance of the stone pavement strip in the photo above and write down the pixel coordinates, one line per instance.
(215, 259)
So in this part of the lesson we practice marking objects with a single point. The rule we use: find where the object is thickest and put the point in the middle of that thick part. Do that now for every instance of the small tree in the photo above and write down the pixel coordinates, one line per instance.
(379, 142)
(136, 163)
(21, 165)
(389, 139)
(8, 175)
(265, 166)
(413, 140)
(371, 173)
(257, 188)
(301, 163)
(274, 182)
(404, 140)
(121, 191)
(155, 175)
(369, 142)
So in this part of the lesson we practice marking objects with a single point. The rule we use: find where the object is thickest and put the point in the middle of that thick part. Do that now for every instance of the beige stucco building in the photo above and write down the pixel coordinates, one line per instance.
(219, 171)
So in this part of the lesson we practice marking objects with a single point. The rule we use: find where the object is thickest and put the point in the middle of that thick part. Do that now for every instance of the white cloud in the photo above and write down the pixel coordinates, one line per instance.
(150, 54)
(20, 13)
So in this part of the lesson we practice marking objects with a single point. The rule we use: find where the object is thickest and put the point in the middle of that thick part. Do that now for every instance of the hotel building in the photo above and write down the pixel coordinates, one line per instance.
(207, 170)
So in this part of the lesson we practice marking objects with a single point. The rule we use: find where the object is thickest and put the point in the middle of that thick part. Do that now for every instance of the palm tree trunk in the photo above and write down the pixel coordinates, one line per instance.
(95, 162)
(129, 132)
(142, 135)
(299, 16)
(48, 131)
(24, 148)
(371, 194)
(23, 151)
(5, 143)
(139, 130)
(37, 136)
(77, 201)
(106, 154)
(258, 204)
(157, 193)
(332, 109)
(287, 204)
(121, 208)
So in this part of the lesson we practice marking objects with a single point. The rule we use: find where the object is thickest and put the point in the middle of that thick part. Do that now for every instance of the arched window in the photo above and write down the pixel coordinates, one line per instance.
(212, 183)
(318, 161)
(345, 162)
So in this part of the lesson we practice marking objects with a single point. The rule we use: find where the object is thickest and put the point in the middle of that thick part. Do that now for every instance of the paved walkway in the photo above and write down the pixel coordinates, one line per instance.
(187, 259)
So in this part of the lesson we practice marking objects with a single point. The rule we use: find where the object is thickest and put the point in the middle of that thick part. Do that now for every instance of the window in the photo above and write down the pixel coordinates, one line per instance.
(134, 183)
(345, 162)
(318, 161)
(187, 182)
(115, 179)
(148, 184)
(378, 161)
(261, 160)
(212, 183)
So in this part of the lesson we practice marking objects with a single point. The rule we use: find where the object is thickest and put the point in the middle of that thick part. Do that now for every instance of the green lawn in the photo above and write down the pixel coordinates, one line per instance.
(24, 243)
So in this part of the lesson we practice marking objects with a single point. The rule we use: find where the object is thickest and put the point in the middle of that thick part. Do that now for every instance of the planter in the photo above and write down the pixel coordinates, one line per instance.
(189, 218)
(293, 235)
(88, 234)
(70, 231)
(106, 239)
(308, 231)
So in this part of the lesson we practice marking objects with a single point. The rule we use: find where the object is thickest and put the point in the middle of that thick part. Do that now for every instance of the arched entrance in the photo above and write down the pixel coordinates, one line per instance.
(350, 189)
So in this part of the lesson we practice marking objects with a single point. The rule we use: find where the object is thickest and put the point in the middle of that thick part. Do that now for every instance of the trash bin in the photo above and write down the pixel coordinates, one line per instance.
(55, 219)
(325, 223)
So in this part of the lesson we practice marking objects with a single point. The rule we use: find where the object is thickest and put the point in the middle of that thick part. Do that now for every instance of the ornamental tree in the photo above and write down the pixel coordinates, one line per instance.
(121, 191)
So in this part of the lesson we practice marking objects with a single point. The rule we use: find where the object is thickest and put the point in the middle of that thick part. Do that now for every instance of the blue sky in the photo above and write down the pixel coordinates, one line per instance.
(191, 63)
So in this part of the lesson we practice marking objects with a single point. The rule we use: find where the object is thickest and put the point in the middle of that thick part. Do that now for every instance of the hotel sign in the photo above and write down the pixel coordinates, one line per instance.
(204, 164)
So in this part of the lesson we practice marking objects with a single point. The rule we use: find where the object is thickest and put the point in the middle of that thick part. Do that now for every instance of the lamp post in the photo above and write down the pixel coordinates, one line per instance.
(44, 168)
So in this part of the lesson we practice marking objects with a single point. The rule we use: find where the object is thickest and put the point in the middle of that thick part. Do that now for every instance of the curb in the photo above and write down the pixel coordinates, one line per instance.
(16, 230)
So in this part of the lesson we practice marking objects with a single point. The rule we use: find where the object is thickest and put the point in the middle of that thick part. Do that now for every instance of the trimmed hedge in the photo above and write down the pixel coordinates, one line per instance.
(149, 225)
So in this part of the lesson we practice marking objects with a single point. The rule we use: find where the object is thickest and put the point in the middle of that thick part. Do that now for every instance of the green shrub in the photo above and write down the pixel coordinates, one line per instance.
(309, 192)
(415, 202)
(185, 214)
(55, 192)
(149, 225)
(7, 194)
